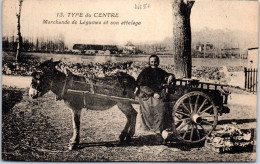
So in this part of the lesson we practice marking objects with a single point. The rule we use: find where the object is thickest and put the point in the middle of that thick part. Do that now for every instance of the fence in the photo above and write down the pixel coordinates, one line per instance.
(251, 79)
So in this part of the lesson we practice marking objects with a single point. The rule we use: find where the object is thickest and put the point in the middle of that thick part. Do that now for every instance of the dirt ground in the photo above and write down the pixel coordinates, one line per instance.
(40, 130)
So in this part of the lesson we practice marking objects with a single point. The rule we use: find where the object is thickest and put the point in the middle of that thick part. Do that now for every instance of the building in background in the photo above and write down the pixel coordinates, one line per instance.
(91, 49)
(129, 48)
(231, 53)
(252, 60)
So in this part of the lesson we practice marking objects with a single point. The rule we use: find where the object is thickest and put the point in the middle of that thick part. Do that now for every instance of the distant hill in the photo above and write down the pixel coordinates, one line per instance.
(226, 38)
(221, 38)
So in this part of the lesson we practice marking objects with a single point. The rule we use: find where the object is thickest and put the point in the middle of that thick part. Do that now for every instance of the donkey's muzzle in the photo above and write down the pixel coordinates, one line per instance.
(33, 93)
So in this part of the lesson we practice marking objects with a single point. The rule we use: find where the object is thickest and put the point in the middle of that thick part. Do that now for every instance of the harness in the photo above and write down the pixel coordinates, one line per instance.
(60, 96)
(63, 90)
(94, 85)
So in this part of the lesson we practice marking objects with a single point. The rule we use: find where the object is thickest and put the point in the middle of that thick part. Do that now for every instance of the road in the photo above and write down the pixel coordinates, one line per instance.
(39, 130)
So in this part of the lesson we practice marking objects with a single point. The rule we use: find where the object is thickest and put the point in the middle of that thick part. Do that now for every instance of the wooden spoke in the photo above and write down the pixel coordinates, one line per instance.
(202, 128)
(182, 119)
(177, 117)
(191, 108)
(182, 131)
(185, 107)
(207, 116)
(191, 133)
(198, 133)
(206, 122)
(182, 113)
(196, 104)
(207, 109)
(183, 125)
(202, 105)
(184, 135)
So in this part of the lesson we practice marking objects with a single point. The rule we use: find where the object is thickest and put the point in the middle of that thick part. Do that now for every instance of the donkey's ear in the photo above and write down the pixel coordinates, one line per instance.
(50, 62)
(67, 72)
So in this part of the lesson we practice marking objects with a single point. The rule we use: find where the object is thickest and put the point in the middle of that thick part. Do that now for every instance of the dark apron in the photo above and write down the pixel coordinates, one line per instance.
(155, 114)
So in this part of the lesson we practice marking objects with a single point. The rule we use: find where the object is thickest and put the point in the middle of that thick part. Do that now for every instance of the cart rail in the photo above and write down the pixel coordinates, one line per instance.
(201, 85)
(115, 98)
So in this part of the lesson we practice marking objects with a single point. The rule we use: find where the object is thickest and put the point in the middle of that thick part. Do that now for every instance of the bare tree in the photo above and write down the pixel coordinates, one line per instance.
(20, 39)
(182, 37)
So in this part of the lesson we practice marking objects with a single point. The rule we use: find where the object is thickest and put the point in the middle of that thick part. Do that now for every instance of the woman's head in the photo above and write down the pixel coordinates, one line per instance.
(154, 61)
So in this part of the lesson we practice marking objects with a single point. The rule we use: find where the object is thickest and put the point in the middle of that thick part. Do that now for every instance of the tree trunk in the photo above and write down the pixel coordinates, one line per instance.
(20, 39)
(182, 38)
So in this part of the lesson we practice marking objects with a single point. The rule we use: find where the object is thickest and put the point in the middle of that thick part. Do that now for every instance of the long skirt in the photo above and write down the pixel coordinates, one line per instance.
(155, 114)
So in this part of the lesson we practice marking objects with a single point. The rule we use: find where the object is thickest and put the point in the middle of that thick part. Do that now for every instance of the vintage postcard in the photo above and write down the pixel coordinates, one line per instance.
(129, 80)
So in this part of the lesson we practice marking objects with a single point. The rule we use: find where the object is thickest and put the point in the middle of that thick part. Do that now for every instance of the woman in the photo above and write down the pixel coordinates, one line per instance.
(155, 113)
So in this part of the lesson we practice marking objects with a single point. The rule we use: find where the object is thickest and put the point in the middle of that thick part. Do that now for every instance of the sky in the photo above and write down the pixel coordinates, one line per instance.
(156, 19)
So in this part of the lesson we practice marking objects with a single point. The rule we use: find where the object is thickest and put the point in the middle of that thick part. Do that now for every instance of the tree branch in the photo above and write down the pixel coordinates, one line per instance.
(190, 4)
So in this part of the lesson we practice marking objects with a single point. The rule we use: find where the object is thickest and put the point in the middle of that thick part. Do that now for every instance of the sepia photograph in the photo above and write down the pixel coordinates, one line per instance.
(129, 80)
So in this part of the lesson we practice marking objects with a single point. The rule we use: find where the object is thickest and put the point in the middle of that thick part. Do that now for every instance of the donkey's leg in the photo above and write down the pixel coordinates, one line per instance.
(74, 141)
(132, 126)
(129, 129)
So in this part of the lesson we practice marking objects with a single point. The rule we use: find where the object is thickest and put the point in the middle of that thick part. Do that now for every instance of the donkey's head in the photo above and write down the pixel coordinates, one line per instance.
(42, 79)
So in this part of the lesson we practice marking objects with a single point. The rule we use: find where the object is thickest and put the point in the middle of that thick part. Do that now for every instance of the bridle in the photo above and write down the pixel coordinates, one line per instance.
(63, 90)
(37, 77)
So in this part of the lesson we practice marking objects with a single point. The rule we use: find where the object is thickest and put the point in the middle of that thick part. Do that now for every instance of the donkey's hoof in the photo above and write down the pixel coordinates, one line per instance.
(122, 138)
(73, 146)
(121, 141)
(128, 139)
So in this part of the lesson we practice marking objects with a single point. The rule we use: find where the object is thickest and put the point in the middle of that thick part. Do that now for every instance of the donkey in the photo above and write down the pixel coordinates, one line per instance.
(51, 77)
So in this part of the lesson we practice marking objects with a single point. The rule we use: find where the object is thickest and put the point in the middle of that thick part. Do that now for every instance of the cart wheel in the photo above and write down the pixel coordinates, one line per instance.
(195, 116)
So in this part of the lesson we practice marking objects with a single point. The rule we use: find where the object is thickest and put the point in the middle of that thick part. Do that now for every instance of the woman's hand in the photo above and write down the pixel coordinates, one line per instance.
(136, 91)
(171, 79)
(156, 96)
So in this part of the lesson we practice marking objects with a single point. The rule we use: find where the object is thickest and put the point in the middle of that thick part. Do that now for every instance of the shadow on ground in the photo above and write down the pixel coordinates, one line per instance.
(147, 140)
